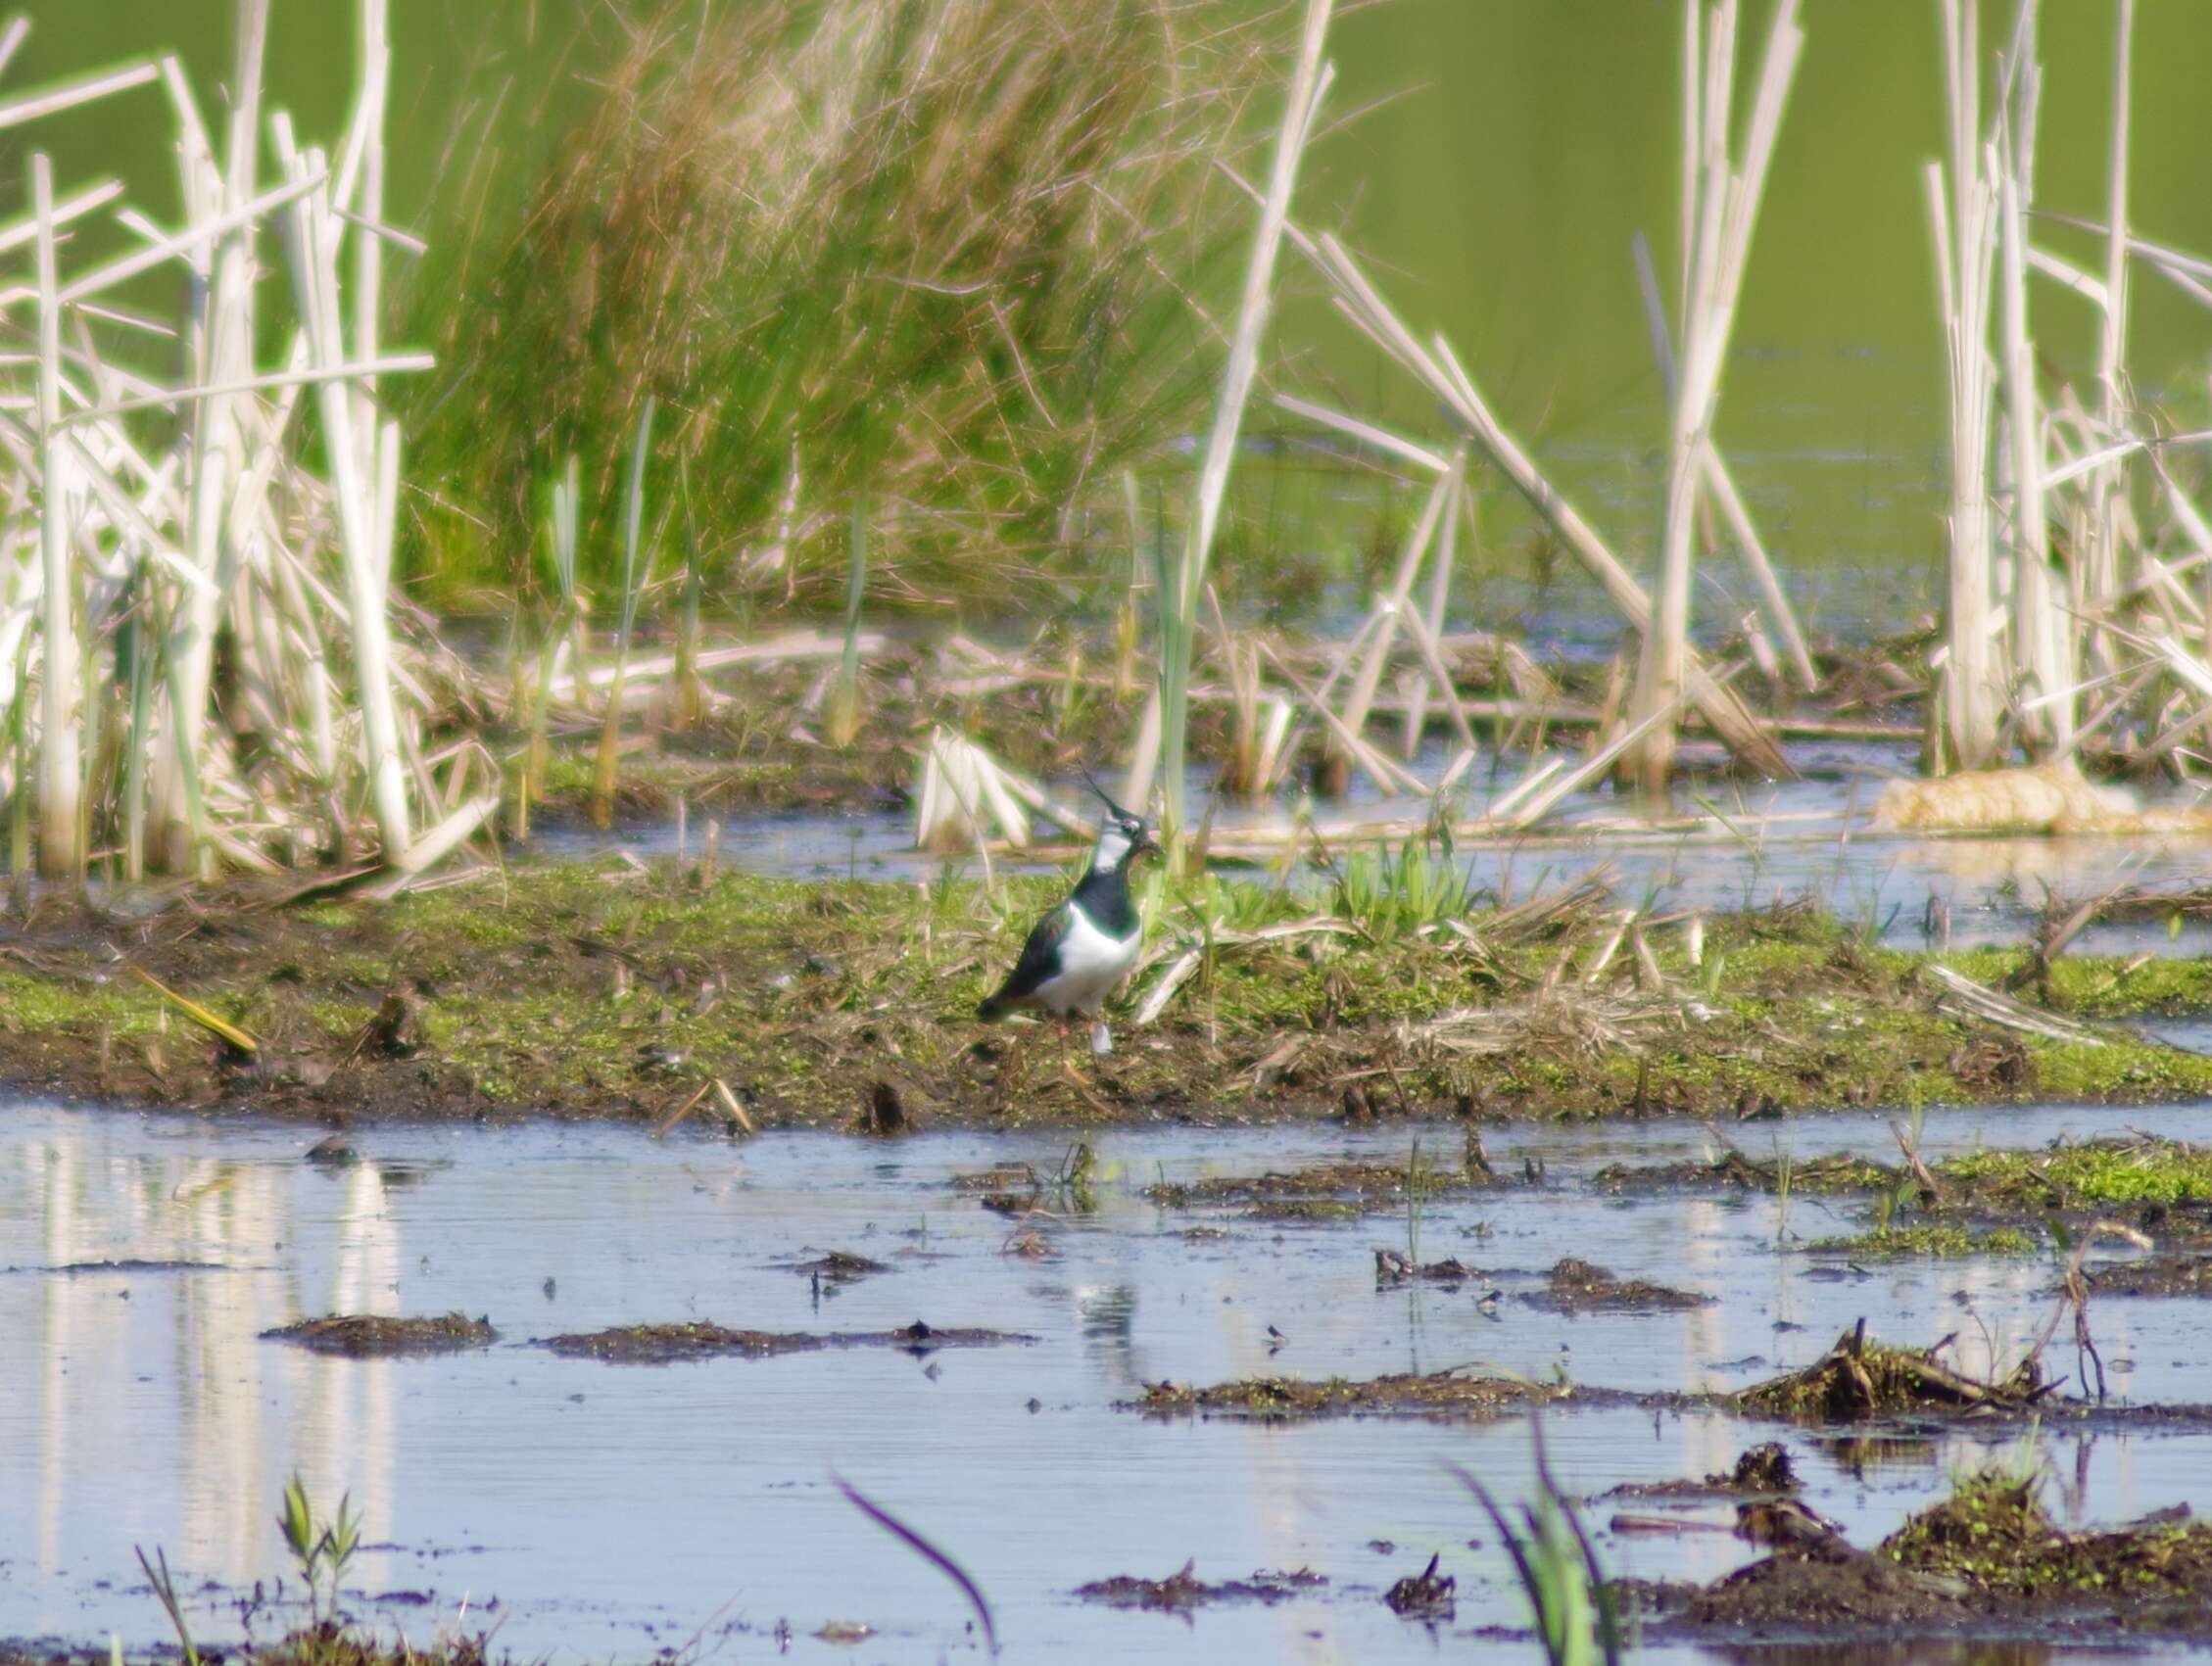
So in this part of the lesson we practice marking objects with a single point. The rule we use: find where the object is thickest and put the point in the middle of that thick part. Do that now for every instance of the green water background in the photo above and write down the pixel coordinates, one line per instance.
(1491, 159)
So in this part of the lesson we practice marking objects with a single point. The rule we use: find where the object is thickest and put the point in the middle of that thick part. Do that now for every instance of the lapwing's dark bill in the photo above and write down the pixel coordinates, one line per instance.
(1077, 954)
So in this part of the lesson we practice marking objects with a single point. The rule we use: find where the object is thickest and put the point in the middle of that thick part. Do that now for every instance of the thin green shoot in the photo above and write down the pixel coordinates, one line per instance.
(1128, 622)
(135, 754)
(19, 808)
(635, 572)
(322, 1548)
(566, 620)
(689, 701)
(1570, 1600)
(164, 1589)
(1413, 1208)
(842, 719)
(914, 1541)
(1782, 1178)
(188, 769)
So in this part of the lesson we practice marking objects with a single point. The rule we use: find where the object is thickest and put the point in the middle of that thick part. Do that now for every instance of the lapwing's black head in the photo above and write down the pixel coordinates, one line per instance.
(1120, 838)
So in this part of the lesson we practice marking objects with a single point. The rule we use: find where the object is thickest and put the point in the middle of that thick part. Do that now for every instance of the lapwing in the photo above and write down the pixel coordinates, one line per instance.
(1079, 953)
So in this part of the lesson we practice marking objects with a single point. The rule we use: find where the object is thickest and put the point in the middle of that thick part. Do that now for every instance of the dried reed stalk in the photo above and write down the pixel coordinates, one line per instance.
(1439, 370)
(1962, 207)
(1181, 590)
(1720, 205)
(2043, 633)
(137, 539)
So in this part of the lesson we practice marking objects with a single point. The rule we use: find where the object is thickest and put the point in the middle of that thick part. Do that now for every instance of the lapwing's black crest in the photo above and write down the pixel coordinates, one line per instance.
(1078, 953)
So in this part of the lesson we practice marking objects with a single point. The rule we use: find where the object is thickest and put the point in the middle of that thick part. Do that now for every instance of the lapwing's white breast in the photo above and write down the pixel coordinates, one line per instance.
(1091, 962)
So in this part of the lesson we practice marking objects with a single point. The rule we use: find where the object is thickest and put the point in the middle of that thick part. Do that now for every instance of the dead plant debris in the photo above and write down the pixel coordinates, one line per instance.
(1859, 1379)
(371, 1336)
(1449, 1394)
(1182, 1590)
(1426, 1596)
(666, 1344)
(1577, 1287)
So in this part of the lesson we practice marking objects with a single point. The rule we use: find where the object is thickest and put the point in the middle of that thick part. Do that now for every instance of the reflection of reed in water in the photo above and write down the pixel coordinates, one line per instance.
(175, 1371)
(344, 1428)
(233, 1213)
(54, 1166)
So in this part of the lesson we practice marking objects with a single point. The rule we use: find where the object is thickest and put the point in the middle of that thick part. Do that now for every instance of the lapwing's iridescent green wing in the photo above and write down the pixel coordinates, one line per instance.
(1040, 955)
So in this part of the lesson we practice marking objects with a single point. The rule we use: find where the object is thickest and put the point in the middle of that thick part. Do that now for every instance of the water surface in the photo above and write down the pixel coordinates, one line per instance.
(599, 1511)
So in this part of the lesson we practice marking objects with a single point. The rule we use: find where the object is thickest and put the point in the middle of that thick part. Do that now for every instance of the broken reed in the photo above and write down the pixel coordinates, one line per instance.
(1183, 579)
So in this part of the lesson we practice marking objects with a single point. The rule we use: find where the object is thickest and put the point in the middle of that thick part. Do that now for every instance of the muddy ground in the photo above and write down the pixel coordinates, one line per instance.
(367, 1336)
(1985, 1560)
(617, 991)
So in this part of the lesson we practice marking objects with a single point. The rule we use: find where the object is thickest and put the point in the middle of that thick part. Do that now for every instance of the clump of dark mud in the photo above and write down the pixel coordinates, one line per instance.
(663, 1344)
(840, 1267)
(1326, 1191)
(1292, 1398)
(1426, 1596)
(128, 1263)
(1991, 1534)
(371, 1336)
(2161, 1275)
(1986, 1555)
(1859, 1379)
(1183, 1591)
(1577, 1287)
(1001, 1179)
(1393, 1267)
(1762, 1469)
(1793, 1594)
(1733, 1172)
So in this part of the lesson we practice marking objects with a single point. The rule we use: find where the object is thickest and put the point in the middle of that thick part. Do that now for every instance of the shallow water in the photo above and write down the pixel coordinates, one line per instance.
(601, 1511)
(1800, 838)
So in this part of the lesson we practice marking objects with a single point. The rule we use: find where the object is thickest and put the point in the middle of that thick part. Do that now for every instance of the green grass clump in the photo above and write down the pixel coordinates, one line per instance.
(944, 248)
(1392, 894)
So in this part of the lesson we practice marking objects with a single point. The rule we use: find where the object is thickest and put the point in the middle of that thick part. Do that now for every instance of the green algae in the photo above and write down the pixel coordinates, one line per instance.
(1944, 1242)
(2105, 1172)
